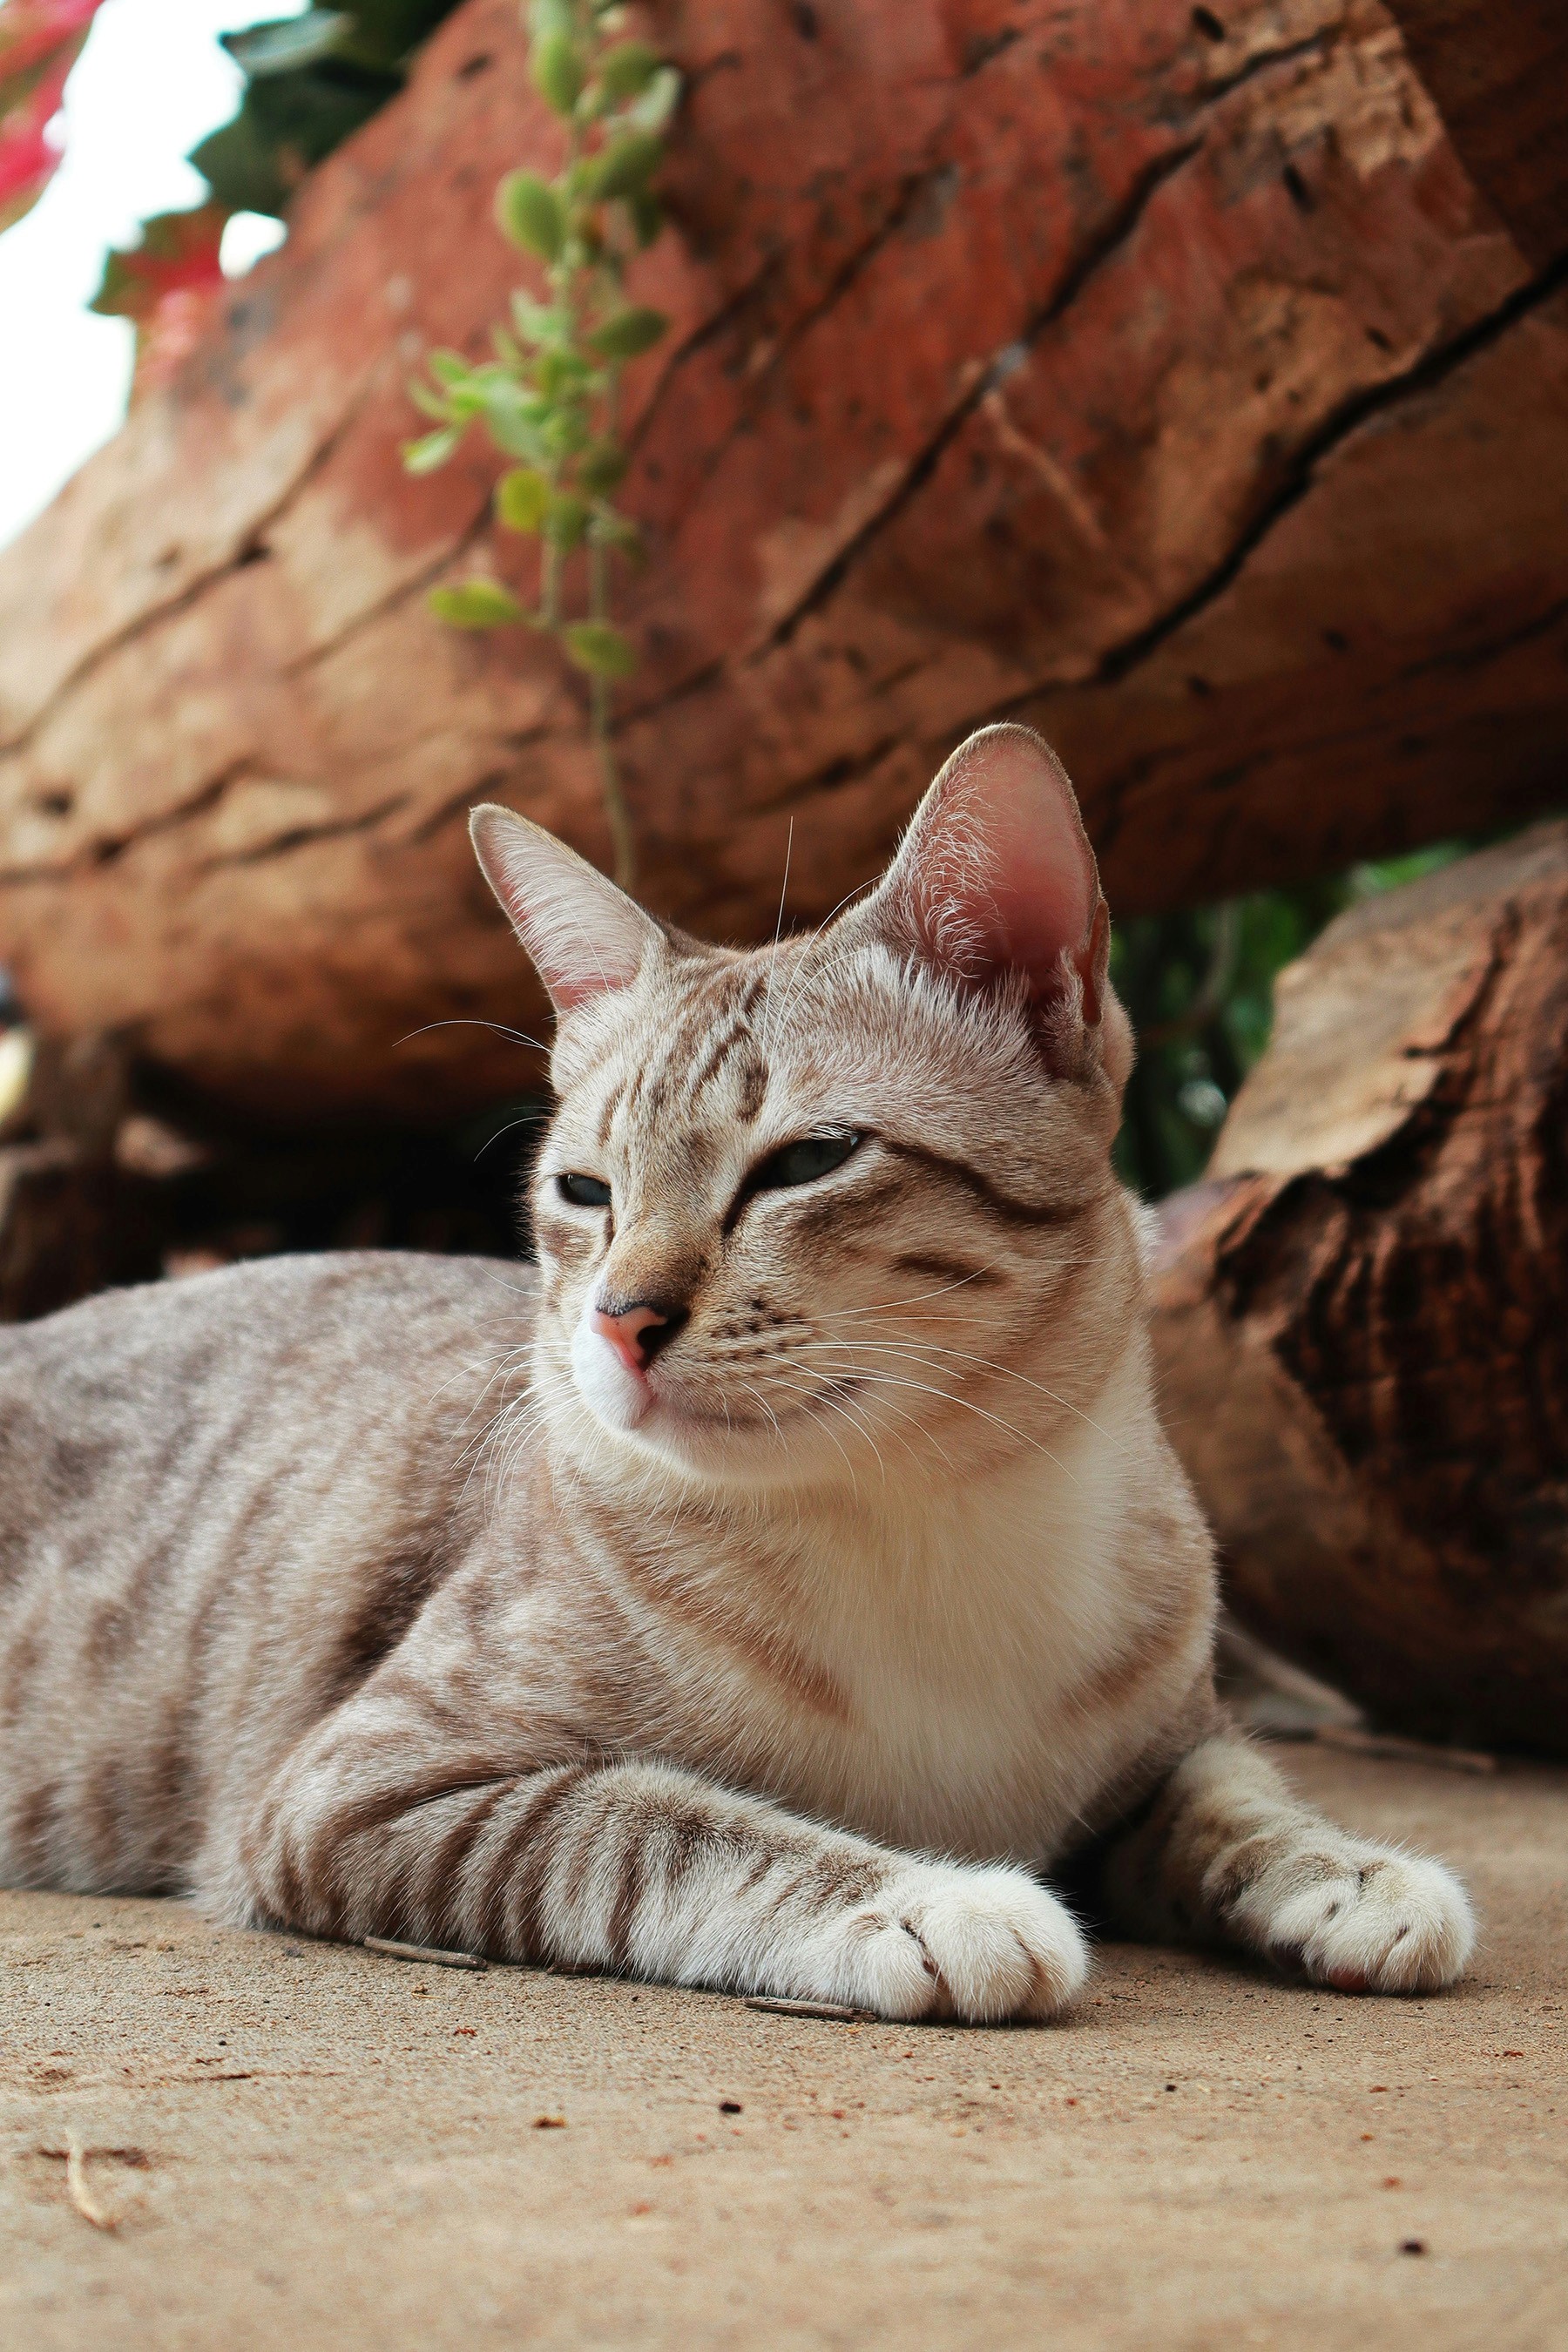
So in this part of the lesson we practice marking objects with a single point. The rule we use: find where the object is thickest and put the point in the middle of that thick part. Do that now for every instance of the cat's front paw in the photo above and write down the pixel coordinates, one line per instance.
(943, 1940)
(1379, 1923)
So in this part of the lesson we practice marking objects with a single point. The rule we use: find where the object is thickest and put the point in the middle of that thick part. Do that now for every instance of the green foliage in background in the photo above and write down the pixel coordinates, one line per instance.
(549, 399)
(1200, 987)
(310, 81)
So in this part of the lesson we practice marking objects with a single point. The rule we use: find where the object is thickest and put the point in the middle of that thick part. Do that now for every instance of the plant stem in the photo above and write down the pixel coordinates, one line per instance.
(566, 282)
(622, 839)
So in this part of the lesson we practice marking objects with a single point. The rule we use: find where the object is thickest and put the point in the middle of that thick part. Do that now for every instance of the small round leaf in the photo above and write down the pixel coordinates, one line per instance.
(528, 212)
(476, 604)
(432, 450)
(626, 332)
(547, 16)
(600, 467)
(601, 651)
(648, 217)
(658, 101)
(565, 519)
(624, 167)
(523, 498)
(558, 75)
(626, 71)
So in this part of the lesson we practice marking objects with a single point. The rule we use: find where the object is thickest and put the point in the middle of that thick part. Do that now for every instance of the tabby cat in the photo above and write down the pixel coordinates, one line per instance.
(765, 1592)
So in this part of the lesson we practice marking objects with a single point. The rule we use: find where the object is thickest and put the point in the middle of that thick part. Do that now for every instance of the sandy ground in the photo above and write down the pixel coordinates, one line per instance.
(298, 2145)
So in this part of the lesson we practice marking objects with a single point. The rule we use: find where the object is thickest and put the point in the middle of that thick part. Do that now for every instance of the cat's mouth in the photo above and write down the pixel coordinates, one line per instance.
(769, 1420)
(666, 1403)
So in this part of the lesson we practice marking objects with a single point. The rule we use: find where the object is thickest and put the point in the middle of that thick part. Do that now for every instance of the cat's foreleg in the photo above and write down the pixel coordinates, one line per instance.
(642, 1868)
(1227, 1853)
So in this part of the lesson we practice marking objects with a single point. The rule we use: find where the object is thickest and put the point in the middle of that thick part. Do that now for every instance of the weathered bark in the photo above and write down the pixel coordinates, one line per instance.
(1160, 379)
(1362, 1317)
(1497, 73)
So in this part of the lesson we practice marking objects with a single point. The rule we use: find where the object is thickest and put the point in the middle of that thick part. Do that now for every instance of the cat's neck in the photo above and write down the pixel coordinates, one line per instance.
(915, 1528)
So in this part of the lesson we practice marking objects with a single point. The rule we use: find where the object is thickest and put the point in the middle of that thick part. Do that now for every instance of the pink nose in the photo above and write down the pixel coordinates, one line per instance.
(635, 1333)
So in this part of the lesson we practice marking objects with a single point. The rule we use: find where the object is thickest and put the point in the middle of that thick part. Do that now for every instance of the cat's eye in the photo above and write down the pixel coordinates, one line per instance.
(584, 1191)
(803, 1162)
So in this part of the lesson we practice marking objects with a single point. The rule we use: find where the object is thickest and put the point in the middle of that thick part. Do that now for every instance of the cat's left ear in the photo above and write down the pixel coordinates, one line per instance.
(997, 877)
(583, 934)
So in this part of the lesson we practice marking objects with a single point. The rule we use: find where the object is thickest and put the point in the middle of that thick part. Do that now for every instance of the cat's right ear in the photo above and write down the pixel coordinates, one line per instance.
(584, 936)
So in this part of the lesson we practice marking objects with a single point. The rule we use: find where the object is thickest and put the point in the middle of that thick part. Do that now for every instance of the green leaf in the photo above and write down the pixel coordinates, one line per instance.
(558, 71)
(517, 423)
(624, 166)
(648, 217)
(658, 101)
(245, 170)
(481, 389)
(432, 450)
(449, 367)
(523, 498)
(626, 71)
(547, 16)
(559, 371)
(565, 431)
(541, 324)
(476, 605)
(626, 332)
(600, 467)
(566, 520)
(290, 42)
(611, 529)
(430, 403)
(601, 651)
(528, 212)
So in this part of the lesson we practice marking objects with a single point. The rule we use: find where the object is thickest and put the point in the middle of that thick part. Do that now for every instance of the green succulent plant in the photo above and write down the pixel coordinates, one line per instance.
(549, 399)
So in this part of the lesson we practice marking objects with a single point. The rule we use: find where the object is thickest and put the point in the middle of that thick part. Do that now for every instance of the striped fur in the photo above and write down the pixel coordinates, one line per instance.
(370, 1594)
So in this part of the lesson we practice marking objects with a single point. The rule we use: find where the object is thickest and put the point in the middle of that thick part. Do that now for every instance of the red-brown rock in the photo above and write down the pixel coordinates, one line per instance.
(1153, 372)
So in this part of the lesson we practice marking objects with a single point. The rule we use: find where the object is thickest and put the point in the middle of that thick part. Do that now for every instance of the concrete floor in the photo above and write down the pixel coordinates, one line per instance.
(303, 2146)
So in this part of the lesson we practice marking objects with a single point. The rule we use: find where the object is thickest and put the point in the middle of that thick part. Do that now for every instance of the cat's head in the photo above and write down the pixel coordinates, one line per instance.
(848, 1200)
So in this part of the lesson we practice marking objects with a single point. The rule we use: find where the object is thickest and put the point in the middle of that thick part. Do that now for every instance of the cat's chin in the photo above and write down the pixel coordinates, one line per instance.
(693, 1438)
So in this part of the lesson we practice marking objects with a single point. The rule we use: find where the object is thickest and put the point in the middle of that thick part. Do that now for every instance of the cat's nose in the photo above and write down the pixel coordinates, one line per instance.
(637, 1332)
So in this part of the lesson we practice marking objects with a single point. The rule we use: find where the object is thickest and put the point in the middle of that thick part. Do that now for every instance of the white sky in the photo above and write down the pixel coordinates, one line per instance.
(151, 82)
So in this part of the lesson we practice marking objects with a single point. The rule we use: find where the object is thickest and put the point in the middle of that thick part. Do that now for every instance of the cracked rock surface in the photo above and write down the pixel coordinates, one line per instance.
(1361, 1315)
(1155, 375)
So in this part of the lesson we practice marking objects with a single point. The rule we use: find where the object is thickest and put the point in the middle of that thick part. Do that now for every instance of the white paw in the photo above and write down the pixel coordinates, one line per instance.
(943, 1940)
(1383, 1922)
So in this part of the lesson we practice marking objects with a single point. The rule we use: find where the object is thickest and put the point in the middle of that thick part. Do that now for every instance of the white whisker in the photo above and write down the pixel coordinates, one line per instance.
(926, 1350)
(518, 1036)
(1024, 1436)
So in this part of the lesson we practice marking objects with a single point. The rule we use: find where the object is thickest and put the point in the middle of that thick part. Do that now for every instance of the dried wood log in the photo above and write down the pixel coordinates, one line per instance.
(1362, 1317)
(1153, 372)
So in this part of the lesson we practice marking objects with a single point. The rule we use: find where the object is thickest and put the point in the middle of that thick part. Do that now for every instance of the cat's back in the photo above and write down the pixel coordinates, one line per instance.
(219, 1500)
(290, 1355)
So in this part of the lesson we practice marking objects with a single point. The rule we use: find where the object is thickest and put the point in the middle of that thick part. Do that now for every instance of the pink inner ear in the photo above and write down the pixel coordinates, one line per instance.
(1003, 866)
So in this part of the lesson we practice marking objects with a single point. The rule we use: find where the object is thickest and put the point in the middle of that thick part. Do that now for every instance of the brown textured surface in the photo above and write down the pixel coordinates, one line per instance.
(331, 2150)
(1361, 1320)
(1498, 72)
(1155, 374)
